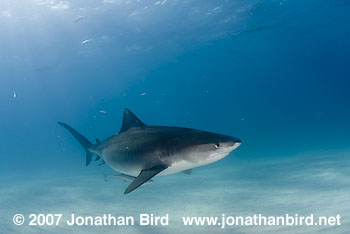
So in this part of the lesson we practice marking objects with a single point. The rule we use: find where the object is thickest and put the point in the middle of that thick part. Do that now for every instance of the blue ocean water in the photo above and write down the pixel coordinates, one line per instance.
(275, 74)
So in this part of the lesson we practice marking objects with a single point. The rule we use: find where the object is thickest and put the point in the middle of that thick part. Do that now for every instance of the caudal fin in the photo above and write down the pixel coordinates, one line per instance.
(82, 140)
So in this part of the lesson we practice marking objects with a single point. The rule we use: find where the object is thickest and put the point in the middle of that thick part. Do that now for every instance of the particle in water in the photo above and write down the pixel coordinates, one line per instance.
(86, 41)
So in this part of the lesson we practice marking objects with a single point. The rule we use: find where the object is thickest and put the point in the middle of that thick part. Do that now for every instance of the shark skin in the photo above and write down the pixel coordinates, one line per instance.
(142, 151)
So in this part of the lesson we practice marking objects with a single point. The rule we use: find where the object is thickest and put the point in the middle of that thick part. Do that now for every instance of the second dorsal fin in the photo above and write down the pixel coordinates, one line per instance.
(130, 121)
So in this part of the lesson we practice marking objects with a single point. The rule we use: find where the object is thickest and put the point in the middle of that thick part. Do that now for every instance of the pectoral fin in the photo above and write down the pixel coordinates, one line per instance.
(144, 176)
(126, 178)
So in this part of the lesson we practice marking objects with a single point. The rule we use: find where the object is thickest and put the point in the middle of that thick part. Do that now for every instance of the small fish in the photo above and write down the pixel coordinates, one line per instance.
(102, 111)
(14, 95)
(78, 18)
(86, 41)
(143, 94)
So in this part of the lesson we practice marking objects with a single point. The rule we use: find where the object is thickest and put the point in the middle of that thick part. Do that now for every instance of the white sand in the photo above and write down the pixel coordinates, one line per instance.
(317, 183)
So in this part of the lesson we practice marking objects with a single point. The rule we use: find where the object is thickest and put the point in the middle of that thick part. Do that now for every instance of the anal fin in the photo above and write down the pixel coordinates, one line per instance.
(188, 171)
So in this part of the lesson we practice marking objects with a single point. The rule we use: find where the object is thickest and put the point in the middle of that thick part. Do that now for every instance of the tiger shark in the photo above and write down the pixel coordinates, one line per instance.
(141, 151)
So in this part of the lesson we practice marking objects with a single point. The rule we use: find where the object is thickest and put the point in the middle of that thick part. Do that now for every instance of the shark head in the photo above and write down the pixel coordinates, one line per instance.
(203, 147)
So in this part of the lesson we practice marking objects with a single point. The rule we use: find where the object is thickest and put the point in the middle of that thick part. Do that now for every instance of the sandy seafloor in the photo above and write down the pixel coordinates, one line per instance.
(314, 182)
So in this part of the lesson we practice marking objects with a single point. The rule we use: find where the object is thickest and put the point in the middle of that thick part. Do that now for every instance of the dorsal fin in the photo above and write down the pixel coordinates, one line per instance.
(130, 121)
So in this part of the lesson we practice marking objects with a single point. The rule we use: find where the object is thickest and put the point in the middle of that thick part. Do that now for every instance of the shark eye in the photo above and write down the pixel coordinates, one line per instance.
(217, 145)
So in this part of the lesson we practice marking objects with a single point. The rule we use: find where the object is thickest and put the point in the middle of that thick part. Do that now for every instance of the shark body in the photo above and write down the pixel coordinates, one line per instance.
(142, 151)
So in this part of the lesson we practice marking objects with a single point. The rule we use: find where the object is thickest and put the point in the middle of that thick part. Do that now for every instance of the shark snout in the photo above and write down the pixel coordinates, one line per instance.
(236, 144)
(232, 143)
(236, 140)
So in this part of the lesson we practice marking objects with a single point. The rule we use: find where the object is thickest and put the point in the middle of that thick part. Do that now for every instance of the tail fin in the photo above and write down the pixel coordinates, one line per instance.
(82, 140)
